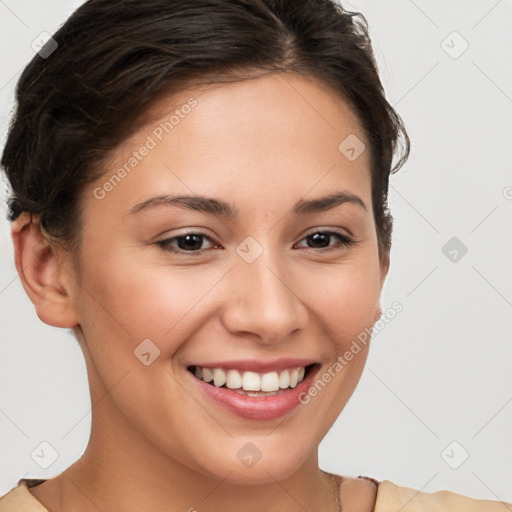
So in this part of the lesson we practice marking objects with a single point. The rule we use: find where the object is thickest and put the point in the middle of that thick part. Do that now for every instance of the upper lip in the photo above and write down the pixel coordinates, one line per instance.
(258, 365)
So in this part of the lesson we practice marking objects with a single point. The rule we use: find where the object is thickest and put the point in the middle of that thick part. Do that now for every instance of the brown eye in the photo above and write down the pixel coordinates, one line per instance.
(186, 243)
(322, 240)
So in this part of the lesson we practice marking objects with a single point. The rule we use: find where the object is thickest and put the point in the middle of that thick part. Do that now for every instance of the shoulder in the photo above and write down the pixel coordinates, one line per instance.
(19, 499)
(392, 498)
(358, 493)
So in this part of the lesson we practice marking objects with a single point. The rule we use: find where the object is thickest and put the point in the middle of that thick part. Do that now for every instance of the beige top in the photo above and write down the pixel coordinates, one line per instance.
(390, 498)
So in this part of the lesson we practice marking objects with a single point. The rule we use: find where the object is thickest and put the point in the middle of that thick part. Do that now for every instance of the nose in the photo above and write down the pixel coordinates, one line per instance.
(263, 301)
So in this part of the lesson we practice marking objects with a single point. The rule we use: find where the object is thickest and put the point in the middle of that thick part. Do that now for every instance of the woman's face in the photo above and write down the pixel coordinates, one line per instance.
(269, 275)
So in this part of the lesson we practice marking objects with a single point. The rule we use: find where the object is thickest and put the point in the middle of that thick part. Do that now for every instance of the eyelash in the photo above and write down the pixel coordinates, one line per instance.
(344, 242)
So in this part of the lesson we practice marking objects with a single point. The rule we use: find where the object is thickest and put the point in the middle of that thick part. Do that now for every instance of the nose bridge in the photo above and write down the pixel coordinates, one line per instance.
(263, 301)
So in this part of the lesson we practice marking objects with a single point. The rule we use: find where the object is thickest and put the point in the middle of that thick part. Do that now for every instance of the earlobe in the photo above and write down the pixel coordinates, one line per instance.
(384, 267)
(378, 313)
(40, 265)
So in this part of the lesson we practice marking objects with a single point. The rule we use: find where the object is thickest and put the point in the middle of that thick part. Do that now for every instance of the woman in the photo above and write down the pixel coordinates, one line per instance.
(259, 131)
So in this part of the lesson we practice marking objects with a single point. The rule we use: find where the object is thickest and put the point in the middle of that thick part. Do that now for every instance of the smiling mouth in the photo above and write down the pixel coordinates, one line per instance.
(252, 383)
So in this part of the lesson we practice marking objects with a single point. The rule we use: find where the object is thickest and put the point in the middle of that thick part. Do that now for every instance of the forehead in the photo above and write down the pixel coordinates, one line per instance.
(281, 132)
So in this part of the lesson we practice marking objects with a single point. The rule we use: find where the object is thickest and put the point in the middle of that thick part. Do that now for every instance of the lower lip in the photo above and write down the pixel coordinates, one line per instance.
(257, 408)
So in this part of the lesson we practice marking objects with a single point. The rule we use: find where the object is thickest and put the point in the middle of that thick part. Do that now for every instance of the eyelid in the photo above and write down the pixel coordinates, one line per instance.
(165, 243)
(326, 229)
(344, 241)
(186, 231)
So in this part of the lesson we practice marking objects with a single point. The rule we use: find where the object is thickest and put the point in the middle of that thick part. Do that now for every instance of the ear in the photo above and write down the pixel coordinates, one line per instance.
(384, 268)
(44, 276)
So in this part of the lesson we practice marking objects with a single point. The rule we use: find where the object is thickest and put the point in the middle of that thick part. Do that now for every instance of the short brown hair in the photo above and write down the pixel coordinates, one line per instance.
(114, 58)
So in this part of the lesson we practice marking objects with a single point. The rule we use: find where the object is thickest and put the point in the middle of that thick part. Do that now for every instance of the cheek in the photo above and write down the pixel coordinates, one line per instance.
(346, 300)
(131, 302)
(127, 302)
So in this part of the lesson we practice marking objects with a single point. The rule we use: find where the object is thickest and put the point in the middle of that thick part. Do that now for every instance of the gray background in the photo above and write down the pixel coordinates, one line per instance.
(438, 385)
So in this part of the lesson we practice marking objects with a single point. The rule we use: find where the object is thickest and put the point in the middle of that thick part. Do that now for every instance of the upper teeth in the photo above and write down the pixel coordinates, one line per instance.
(251, 381)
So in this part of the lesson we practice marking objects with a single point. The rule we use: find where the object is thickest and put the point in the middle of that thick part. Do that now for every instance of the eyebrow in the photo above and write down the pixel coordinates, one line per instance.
(221, 208)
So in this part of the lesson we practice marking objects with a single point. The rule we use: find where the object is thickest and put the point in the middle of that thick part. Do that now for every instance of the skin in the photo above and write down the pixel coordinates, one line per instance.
(157, 443)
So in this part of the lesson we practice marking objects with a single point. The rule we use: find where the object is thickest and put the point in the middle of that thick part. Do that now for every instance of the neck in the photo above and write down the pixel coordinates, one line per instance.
(122, 470)
(103, 483)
